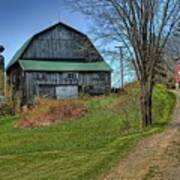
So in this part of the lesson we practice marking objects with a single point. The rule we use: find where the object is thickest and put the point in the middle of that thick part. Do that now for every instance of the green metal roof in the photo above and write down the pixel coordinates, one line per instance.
(58, 66)
(19, 53)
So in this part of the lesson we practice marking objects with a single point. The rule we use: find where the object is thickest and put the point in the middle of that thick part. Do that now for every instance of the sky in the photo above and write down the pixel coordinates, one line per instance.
(21, 19)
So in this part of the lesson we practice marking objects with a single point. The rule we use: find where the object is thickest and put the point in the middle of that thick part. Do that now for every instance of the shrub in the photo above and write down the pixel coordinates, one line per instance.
(47, 112)
(5, 110)
(5, 107)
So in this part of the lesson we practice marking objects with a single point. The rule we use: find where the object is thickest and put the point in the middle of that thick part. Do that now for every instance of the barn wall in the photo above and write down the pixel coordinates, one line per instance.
(16, 81)
(59, 43)
(44, 84)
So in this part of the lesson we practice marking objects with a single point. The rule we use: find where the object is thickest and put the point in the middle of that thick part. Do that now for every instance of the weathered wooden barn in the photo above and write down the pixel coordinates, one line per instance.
(59, 62)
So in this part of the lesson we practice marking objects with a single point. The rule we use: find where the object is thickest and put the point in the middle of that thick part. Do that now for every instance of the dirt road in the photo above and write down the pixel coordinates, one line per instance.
(156, 157)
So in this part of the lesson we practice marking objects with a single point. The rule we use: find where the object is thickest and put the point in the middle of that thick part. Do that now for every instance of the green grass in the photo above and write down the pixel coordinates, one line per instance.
(82, 149)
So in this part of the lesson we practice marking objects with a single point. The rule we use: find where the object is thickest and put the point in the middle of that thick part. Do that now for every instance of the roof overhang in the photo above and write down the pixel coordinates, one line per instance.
(60, 66)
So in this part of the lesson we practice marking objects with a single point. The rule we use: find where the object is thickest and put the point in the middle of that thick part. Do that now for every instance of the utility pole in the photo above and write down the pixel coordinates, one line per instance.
(121, 64)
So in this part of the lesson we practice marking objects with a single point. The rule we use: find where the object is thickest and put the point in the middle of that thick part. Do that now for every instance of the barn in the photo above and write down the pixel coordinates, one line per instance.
(59, 62)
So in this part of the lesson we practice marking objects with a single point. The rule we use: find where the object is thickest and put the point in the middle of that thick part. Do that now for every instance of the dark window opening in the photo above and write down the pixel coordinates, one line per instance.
(71, 76)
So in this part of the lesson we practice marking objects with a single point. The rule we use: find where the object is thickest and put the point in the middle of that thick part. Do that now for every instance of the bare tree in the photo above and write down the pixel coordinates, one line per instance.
(143, 27)
(113, 56)
(171, 55)
(173, 44)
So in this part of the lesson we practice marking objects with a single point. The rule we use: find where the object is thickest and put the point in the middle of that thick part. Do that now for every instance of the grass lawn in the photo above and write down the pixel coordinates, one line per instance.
(81, 149)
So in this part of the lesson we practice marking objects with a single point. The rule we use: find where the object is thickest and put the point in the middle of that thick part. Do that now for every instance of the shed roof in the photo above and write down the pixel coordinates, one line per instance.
(58, 66)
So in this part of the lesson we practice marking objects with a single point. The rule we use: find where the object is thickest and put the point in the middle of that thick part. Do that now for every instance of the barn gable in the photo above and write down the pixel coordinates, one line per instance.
(59, 42)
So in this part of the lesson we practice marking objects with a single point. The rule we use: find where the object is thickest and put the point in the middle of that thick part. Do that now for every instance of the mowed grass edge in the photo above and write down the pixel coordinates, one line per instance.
(82, 149)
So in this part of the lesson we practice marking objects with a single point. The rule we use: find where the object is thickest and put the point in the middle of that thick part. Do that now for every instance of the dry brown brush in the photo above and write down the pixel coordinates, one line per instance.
(48, 112)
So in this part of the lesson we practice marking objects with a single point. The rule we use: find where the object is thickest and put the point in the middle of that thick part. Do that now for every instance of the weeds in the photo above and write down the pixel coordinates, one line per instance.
(48, 111)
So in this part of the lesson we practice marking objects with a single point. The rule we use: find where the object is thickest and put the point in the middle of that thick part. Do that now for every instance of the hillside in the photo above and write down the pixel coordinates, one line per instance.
(155, 157)
(84, 148)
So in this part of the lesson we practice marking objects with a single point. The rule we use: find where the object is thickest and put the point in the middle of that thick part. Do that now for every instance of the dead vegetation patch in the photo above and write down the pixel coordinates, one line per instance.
(47, 112)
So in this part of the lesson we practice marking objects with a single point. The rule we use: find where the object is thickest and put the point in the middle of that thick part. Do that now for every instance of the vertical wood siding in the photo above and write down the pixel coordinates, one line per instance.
(44, 84)
(59, 43)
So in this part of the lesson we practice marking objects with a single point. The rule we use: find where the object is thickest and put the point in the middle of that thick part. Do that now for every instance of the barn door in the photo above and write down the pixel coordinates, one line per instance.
(66, 92)
(46, 91)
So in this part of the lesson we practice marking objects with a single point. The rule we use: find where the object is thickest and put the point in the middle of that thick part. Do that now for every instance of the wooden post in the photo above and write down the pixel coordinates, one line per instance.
(2, 81)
